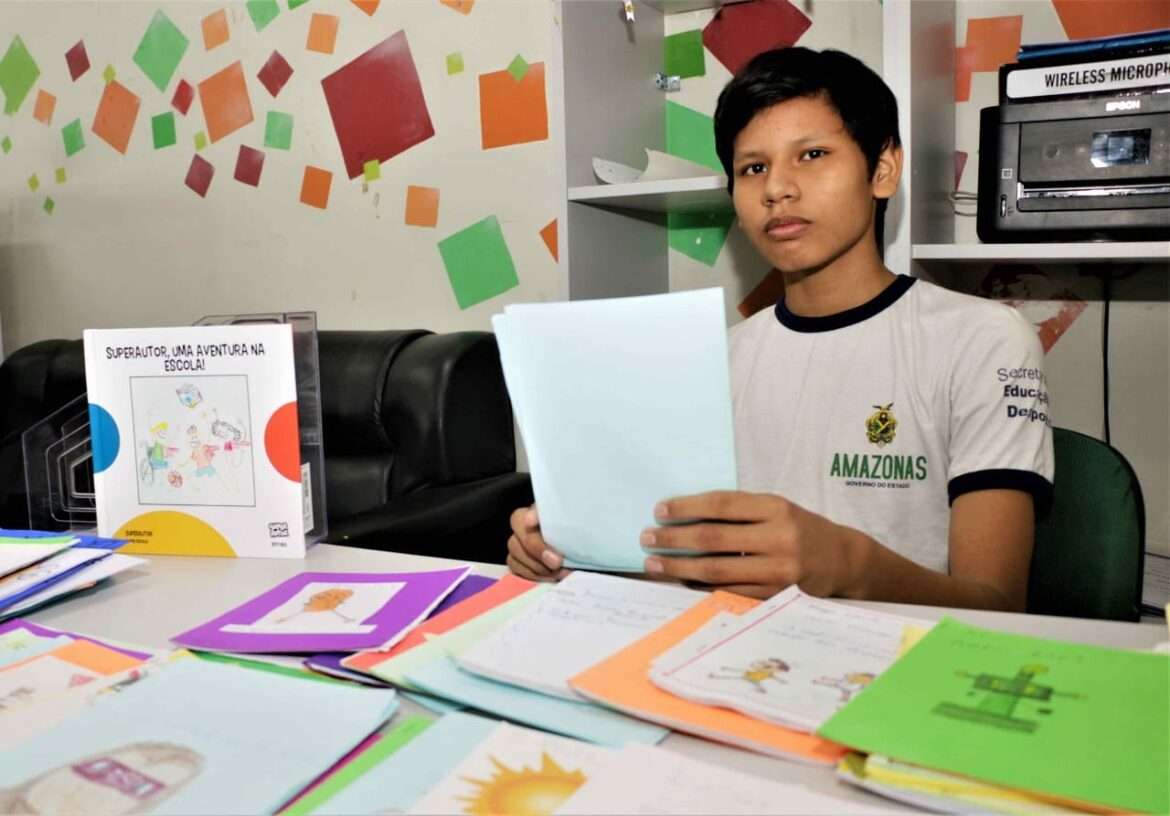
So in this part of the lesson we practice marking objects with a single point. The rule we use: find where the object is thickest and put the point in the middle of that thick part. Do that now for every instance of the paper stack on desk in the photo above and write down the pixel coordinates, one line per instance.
(38, 567)
(621, 403)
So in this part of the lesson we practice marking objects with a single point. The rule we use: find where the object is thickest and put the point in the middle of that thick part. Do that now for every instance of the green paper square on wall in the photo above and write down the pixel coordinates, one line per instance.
(295, 4)
(18, 74)
(699, 235)
(518, 67)
(454, 63)
(33, 182)
(6, 145)
(278, 129)
(50, 205)
(60, 175)
(162, 128)
(691, 135)
(478, 263)
(372, 170)
(160, 51)
(110, 74)
(200, 140)
(73, 138)
(263, 12)
(683, 54)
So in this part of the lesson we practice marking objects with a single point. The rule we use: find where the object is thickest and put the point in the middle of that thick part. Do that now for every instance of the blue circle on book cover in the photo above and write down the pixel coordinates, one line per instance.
(104, 437)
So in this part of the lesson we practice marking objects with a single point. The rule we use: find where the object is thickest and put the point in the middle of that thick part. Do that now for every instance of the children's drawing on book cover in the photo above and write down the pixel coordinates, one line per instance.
(998, 697)
(132, 779)
(848, 683)
(324, 608)
(527, 791)
(193, 440)
(756, 674)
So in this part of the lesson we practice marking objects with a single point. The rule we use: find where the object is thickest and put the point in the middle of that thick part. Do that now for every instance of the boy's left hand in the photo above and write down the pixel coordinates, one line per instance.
(753, 544)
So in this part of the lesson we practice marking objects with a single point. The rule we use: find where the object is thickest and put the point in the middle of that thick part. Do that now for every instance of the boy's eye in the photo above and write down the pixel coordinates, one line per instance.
(814, 153)
(752, 169)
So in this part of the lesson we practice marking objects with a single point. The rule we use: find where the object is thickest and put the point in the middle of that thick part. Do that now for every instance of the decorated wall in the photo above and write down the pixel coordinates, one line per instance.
(384, 163)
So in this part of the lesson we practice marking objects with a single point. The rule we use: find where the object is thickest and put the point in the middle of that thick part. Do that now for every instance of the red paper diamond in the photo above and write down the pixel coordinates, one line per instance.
(199, 175)
(77, 60)
(377, 104)
(275, 73)
(740, 31)
(184, 96)
(249, 163)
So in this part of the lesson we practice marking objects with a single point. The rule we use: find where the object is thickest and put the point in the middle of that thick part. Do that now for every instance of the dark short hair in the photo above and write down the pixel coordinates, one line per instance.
(864, 102)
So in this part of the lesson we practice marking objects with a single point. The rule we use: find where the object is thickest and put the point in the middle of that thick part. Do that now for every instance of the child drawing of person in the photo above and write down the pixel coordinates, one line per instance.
(757, 673)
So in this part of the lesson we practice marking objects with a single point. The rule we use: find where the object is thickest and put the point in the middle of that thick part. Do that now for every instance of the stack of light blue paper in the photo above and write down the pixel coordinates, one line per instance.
(621, 403)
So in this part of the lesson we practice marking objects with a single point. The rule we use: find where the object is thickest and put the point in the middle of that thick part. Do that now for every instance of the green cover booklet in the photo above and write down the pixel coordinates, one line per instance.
(1079, 722)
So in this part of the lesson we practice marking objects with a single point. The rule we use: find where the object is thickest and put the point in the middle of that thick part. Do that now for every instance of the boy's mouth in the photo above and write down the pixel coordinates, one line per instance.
(786, 227)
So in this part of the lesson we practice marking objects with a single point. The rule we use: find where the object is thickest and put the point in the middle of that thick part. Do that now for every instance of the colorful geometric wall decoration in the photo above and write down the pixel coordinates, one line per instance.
(275, 73)
(263, 12)
(315, 187)
(18, 74)
(368, 6)
(377, 105)
(278, 128)
(162, 129)
(215, 30)
(422, 206)
(43, 110)
(224, 97)
(77, 60)
(161, 49)
(991, 42)
(199, 175)
(513, 111)
(461, 6)
(249, 164)
(1083, 19)
(184, 96)
(548, 234)
(740, 31)
(72, 137)
(116, 114)
(764, 295)
(478, 263)
(322, 33)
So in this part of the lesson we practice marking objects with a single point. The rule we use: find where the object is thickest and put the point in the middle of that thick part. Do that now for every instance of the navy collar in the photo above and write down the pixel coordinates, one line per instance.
(840, 320)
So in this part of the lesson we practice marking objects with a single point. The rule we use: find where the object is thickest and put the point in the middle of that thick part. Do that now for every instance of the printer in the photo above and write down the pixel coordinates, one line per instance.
(1077, 152)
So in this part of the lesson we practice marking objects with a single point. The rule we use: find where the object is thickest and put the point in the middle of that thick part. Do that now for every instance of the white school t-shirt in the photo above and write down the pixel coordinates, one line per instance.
(879, 417)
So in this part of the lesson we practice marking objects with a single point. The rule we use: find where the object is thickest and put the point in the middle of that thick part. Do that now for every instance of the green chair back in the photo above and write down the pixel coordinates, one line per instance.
(1087, 560)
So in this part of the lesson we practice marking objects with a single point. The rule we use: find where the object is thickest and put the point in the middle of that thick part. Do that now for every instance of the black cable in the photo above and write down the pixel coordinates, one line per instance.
(1106, 280)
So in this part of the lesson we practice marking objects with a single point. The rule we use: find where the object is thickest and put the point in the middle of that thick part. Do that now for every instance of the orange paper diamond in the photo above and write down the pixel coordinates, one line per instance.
(512, 112)
(461, 6)
(422, 206)
(46, 103)
(116, 114)
(322, 33)
(368, 6)
(215, 29)
(224, 97)
(315, 187)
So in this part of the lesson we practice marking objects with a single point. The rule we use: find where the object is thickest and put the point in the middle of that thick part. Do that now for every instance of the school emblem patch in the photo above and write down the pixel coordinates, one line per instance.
(881, 425)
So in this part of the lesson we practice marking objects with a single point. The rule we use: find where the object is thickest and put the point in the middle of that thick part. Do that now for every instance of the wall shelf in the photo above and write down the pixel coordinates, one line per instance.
(676, 195)
(1048, 253)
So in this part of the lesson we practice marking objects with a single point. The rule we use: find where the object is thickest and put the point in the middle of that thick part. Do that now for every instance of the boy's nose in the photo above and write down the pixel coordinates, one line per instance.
(780, 186)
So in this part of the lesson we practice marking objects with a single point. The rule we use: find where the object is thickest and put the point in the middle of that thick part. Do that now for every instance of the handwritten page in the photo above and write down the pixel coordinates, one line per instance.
(794, 660)
(581, 621)
(648, 780)
(18, 553)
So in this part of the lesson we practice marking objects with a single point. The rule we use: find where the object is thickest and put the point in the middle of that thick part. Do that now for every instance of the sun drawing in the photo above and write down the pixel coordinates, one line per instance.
(526, 792)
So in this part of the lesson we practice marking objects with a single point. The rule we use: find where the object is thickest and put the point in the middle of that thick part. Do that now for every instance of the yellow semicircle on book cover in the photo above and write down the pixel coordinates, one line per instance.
(169, 532)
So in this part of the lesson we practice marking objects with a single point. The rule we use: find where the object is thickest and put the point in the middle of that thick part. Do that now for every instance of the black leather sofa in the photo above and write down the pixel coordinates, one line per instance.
(418, 437)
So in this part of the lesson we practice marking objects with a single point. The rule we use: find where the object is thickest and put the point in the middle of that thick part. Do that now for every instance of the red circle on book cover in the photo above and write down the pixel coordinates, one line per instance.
(282, 442)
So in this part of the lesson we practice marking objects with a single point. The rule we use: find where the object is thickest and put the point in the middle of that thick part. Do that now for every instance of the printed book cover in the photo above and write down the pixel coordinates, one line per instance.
(195, 440)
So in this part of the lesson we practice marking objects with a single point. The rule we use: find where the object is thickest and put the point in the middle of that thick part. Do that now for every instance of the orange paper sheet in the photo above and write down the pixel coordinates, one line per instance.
(116, 114)
(622, 682)
(226, 106)
(215, 30)
(549, 235)
(46, 104)
(1109, 18)
(502, 590)
(510, 111)
(322, 33)
(422, 206)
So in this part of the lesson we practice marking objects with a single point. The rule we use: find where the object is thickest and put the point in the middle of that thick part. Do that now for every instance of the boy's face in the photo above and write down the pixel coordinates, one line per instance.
(803, 192)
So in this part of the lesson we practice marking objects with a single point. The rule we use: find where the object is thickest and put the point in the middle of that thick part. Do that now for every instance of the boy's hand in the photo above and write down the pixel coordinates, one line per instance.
(753, 544)
(528, 554)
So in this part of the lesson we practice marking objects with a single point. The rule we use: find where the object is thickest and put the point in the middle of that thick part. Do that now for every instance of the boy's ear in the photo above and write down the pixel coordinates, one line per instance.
(887, 172)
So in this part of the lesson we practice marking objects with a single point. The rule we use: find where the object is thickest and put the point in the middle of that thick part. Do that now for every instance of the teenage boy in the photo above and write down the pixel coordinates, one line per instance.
(892, 436)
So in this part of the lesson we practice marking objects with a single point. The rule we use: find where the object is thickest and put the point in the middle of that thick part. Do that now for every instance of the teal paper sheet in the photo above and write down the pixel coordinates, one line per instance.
(193, 737)
(582, 720)
(400, 780)
(621, 403)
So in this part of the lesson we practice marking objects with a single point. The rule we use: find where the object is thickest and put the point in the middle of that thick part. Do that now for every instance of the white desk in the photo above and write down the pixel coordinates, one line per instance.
(148, 606)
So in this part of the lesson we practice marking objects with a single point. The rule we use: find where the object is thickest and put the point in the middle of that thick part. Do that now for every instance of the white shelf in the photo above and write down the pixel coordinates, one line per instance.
(1097, 252)
(676, 195)
(679, 6)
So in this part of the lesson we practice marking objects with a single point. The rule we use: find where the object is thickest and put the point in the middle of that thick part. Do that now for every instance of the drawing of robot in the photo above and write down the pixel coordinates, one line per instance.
(757, 673)
(1003, 696)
